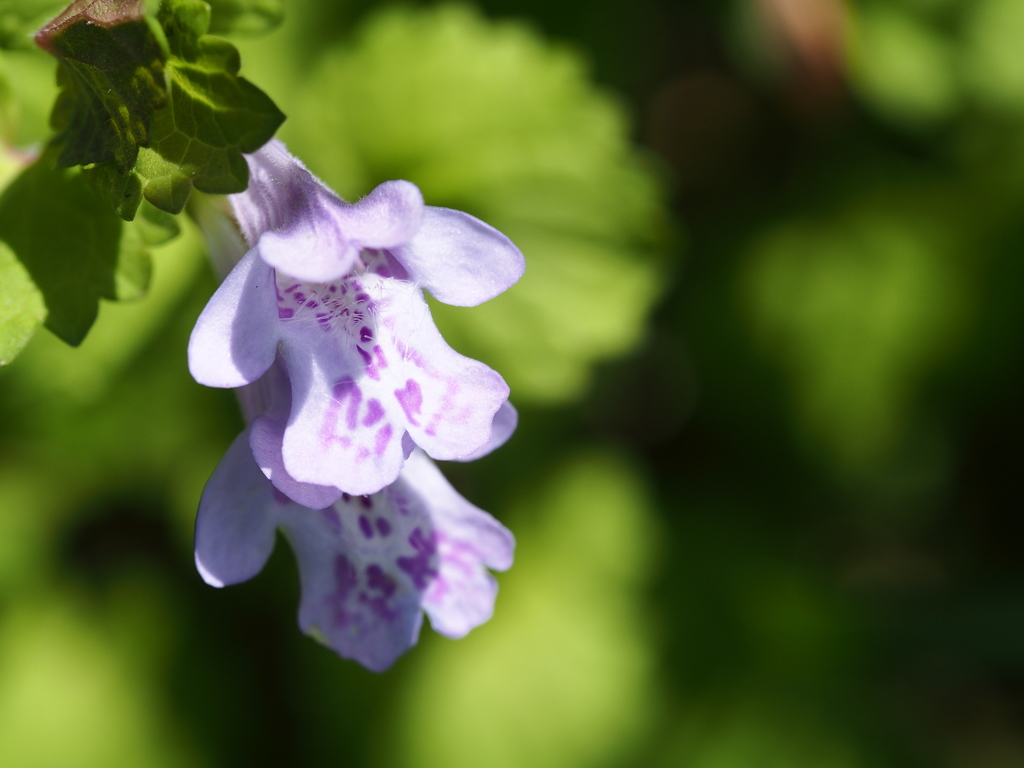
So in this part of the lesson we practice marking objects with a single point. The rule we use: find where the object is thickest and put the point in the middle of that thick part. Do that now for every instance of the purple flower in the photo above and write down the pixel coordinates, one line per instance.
(369, 565)
(335, 289)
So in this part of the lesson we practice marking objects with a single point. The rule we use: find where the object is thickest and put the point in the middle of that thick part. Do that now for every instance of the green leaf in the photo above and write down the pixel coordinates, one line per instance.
(70, 252)
(21, 306)
(154, 108)
(491, 119)
(111, 81)
(246, 17)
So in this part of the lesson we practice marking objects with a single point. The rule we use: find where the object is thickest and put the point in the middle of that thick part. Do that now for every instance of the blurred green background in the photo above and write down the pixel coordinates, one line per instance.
(768, 358)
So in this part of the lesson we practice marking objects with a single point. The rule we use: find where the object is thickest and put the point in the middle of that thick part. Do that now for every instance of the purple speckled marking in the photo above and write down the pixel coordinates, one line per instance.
(383, 437)
(383, 526)
(285, 313)
(365, 527)
(411, 400)
(420, 566)
(378, 353)
(384, 584)
(345, 581)
(380, 581)
(365, 334)
(346, 389)
(371, 368)
(374, 412)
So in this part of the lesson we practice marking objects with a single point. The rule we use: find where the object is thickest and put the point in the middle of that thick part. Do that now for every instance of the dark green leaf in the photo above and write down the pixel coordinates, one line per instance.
(69, 251)
(154, 109)
(111, 79)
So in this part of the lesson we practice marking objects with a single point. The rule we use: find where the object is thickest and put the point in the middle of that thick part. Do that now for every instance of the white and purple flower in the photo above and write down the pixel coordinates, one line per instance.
(346, 386)
(370, 566)
(335, 291)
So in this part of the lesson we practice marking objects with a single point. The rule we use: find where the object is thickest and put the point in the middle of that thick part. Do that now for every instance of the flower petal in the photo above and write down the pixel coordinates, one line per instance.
(301, 227)
(235, 524)
(342, 431)
(387, 217)
(505, 422)
(469, 541)
(449, 400)
(265, 438)
(459, 259)
(353, 401)
(364, 564)
(292, 218)
(235, 338)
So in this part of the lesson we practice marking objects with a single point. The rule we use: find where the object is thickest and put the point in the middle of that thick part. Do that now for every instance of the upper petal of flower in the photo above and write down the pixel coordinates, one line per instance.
(300, 226)
(235, 338)
(459, 259)
(236, 521)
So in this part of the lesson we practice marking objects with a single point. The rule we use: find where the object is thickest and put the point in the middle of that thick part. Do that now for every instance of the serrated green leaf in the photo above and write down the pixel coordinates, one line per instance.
(111, 79)
(70, 246)
(168, 114)
(21, 306)
(246, 17)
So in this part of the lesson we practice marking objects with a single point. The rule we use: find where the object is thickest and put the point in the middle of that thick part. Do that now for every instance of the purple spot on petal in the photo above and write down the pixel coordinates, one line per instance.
(371, 369)
(378, 580)
(411, 400)
(420, 566)
(382, 439)
(365, 527)
(284, 313)
(365, 334)
(378, 352)
(383, 526)
(374, 412)
(366, 501)
(345, 580)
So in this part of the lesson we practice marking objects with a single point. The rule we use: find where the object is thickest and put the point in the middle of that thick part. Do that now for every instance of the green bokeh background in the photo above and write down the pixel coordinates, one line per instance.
(768, 359)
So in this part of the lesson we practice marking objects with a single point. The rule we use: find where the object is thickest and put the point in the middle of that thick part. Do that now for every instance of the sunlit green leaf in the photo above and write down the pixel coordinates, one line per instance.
(21, 306)
(491, 119)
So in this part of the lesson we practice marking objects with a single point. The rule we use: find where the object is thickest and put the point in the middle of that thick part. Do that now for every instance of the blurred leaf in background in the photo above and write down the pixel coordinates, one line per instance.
(491, 119)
